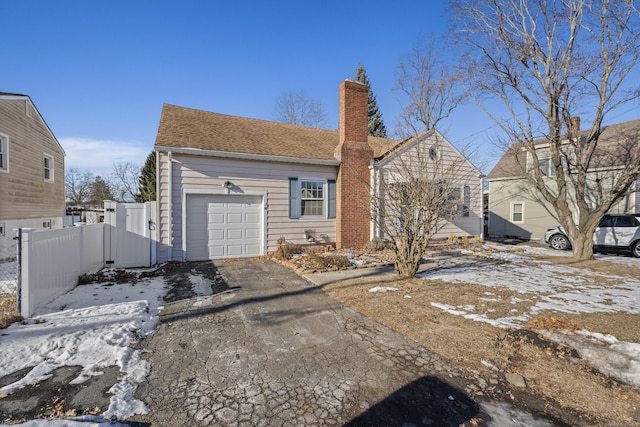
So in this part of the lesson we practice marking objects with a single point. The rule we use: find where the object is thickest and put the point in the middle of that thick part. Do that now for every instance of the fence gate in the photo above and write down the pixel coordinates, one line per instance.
(130, 235)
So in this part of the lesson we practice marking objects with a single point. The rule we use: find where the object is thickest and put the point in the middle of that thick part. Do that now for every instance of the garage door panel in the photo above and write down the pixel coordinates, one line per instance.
(235, 234)
(216, 235)
(235, 250)
(222, 226)
(216, 252)
(252, 234)
(252, 218)
(216, 218)
(235, 218)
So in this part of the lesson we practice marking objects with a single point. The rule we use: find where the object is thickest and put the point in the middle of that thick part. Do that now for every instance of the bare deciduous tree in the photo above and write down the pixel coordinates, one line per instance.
(78, 186)
(432, 88)
(418, 192)
(548, 61)
(124, 181)
(296, 108)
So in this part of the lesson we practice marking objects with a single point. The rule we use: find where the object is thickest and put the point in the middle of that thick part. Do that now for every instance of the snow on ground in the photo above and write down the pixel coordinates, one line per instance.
(538, 285)
(91, 326)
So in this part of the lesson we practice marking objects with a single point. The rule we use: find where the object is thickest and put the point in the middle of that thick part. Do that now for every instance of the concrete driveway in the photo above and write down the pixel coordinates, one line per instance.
(274, 350)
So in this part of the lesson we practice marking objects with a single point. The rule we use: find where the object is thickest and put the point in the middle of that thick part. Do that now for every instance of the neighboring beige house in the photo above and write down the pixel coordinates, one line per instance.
(233, 186)
(32, 193)
(515, 209)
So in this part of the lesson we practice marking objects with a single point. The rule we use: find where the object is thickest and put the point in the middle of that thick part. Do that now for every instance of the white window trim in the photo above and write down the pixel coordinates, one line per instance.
(325, 198)
(550, 170)
(511, 212)
(4, 145)
(51, 169)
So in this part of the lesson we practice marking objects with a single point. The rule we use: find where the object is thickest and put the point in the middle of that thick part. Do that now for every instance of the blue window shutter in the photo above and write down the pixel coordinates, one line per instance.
(294, 198)
(332, 198)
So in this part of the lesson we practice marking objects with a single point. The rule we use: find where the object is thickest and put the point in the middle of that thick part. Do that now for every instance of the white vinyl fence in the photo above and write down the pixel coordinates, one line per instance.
(51, 261)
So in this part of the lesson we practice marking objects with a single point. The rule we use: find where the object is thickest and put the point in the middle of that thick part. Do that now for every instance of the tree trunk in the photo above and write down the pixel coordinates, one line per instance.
(583, 247)
(407, 259)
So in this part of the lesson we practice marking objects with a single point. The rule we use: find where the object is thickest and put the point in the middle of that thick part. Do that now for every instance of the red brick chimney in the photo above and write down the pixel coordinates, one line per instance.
(352, 186)
(575, 124)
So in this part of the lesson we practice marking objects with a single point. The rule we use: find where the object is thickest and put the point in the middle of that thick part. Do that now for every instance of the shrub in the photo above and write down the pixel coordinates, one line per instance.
(8, 310)
(377, 244)
(286, 250)
(330, 261)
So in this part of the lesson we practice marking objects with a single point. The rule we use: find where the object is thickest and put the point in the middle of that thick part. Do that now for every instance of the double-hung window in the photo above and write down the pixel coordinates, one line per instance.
(312, 198)
(459, 200)
(4, 153)
(517, 212)
(546, 167)
(47, 168)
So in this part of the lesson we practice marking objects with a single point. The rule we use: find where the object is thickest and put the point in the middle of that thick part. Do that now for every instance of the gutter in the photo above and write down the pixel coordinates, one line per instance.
(248, 156)
(170, 204)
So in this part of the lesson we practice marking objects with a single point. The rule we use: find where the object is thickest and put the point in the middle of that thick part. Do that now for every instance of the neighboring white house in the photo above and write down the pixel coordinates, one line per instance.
(232, 187)
(515, 208)
(31, 171)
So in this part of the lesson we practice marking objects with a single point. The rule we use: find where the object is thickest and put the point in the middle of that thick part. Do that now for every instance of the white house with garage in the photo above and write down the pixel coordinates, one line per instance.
(230, 187)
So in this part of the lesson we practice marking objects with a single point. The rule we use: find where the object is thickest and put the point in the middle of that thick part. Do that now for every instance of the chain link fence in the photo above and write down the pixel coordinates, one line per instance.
(9, 308)
(9, 268)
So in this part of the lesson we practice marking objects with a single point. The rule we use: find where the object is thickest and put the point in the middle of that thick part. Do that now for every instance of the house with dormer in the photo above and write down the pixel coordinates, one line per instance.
(232, 186)
(516, 210)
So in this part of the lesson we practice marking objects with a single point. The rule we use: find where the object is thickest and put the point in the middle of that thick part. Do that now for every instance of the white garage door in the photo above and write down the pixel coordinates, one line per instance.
(223, 226)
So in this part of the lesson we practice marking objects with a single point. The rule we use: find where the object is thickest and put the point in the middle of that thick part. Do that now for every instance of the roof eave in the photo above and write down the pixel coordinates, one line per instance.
(247, 156)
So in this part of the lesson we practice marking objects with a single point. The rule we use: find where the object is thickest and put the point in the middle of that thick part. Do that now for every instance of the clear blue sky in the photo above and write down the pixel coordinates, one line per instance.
(99, 71)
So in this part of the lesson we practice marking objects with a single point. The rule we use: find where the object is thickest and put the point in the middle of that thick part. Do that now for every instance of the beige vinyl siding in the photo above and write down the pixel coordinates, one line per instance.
(537, 215)
(23, 190)
(464, 174)
(204, 173)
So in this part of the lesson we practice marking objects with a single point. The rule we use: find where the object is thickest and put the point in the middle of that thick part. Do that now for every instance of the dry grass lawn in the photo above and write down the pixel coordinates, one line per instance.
(566, 387)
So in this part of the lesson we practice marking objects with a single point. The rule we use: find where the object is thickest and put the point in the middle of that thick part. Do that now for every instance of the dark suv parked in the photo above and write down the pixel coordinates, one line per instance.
(615, 232)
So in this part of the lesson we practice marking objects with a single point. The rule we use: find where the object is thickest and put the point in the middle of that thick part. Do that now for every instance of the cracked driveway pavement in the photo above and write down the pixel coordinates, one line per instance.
(274, 350)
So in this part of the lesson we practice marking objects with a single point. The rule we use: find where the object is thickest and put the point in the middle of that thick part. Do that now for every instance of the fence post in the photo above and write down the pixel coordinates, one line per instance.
(18, 237)
(109, 232)
(25, 259)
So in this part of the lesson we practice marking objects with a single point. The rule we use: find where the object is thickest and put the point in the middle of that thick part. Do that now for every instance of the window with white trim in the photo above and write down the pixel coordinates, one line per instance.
(4, 153)
(517, 212)
(312, 198)
(546, 167)
(459, 200)
(47, 168)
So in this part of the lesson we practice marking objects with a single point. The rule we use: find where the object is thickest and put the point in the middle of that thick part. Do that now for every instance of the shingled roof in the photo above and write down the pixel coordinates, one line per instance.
(611, 151)
(182, 127)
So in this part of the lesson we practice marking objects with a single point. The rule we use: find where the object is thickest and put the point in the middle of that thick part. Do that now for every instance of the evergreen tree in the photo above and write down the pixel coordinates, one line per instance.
(100, 191)
(376, 125)
(147, 180)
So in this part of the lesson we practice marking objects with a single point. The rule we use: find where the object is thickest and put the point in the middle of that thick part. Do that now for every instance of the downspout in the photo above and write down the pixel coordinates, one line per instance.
(481, 176)
(170, 204)
(374, 197)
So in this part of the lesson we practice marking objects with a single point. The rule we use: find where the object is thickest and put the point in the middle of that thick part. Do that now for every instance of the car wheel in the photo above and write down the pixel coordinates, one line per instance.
(559, 242)
(635, 248)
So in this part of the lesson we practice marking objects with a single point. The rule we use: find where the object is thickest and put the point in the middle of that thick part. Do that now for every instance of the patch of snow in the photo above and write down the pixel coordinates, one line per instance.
(383, 289)
(92, 326)
(356, 262)
(545, 286)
